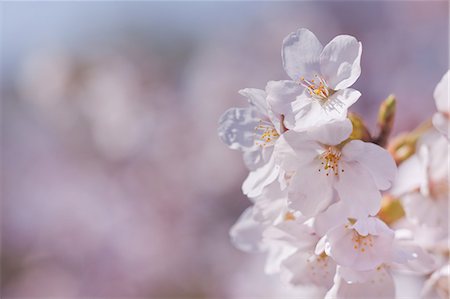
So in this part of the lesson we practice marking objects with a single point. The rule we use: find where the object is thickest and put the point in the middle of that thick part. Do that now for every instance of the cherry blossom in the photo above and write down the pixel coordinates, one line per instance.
(422, 183)
(321, 76)
(325, 163)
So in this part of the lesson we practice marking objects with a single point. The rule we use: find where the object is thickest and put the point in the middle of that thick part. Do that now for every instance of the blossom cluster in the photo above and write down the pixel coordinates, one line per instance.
(331, 207)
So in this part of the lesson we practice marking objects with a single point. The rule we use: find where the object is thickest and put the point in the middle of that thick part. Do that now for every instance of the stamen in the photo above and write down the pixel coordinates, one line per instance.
(265, 134)
(330, 161)
(361, 242)
(318, 90)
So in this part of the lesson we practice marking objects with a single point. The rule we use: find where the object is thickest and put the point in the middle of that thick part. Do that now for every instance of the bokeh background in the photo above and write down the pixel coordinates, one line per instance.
(114, 183)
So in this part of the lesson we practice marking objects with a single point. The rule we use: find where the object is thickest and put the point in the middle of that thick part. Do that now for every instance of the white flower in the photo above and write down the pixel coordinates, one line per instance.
(422, 182)
(322, 166)
(377, 283)
(321, 77)
(302, 266)
(239, 128)
(255, 130)
(441, 120)
(360, 246)
(437, 286)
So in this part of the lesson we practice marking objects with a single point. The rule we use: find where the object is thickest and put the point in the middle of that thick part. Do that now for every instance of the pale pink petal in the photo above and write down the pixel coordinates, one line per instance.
(410, 176)
(335, 215)
(306, 268)
(375, 159)
(380, 286)
(357, 188)
(301, 54)
(338, 103)
(441, 95)
(246, 233)
(310, 191)
(237, 127)
(258, 179)
(280, 95)
(257, 98)
(332, 133)
(340, 61)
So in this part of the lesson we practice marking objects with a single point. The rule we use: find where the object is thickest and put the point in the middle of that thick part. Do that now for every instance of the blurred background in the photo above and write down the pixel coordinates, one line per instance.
(114, 183)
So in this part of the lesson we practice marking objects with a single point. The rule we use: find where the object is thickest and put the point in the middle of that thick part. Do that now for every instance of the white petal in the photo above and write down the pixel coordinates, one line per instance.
(254, 158)
(410, 176)
(335, 215)
(373, 226)
(304, 268)
(442, 123)
(280, 95)
(356, 187)
(381, 285)
(339, 102)
(437, 285)
(360, 253)
(310, 191)
(308, 113)
(269, 209)
(237, 127)
(441, 94)
(340, 61)
(294, 149)
(256, 98)
(375, 159)
(276, 255)
(301, 54)
(428, 211)
(332, 133)
(292, 233)
(246, 233)
(258, 179)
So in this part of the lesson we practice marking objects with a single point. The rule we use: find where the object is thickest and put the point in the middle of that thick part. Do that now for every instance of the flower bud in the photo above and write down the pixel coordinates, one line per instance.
(386, 115)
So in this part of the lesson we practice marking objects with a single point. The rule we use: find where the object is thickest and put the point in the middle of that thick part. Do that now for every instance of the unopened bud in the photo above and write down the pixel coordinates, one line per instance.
(386, 115)
(404, 146)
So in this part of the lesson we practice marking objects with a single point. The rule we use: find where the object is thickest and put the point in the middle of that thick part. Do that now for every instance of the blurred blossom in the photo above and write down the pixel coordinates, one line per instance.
(114, 181)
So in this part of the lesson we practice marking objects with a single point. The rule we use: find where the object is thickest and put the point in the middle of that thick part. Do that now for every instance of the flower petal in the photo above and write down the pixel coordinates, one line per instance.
(301, 54)
(246, 233)
(411, 175)
(237, 127)
(356, 187)
(335, 215)
(339, 102)
(375, 159)
(340, 61)
(294, 149)
(361, 253)
(258, 179)
(332, 133)
(442, 123)
(257, 98)
(310, 191)
(280, 95)
(381, 285)
(305, 268)
(441, 94)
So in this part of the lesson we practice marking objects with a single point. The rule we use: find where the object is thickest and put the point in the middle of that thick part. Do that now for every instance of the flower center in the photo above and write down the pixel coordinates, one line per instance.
(330, 161)
(361, 242)
(317, 88)
(266, 134)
